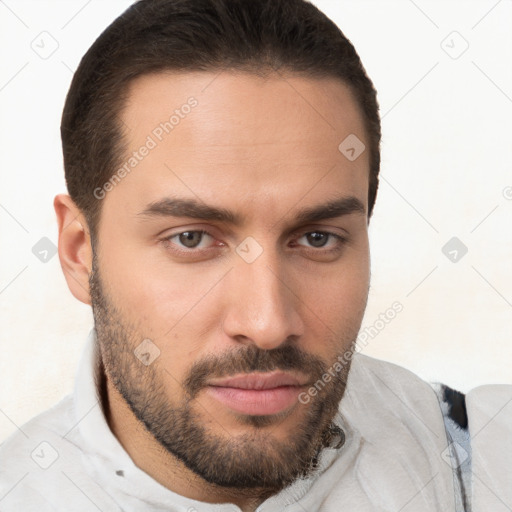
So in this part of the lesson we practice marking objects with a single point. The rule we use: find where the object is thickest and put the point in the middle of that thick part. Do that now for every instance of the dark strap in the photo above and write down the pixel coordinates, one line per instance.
(457, 404)
(453, 408)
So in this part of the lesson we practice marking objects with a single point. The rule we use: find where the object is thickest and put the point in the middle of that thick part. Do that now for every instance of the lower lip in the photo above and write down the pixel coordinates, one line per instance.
(256, 402)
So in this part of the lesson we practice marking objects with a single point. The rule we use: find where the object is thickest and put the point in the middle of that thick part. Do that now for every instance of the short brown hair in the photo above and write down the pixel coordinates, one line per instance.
(191, 35)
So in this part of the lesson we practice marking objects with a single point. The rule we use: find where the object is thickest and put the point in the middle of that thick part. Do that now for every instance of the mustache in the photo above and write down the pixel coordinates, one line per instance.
(252, 359)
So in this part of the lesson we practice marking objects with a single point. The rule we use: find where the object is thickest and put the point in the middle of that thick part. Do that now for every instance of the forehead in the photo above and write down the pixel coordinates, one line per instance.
(267, 139)
(273, 109)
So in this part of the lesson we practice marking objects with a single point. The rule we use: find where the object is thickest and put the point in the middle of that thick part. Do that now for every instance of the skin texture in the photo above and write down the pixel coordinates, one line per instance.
(263, 148)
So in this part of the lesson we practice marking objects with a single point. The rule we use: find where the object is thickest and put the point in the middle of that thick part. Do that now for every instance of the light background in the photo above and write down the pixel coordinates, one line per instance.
(446, 172)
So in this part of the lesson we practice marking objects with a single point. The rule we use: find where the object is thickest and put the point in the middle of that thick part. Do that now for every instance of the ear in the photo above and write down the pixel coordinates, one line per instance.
(75, 251)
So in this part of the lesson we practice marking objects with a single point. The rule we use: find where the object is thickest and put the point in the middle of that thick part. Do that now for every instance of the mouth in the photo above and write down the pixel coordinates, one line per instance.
(258, 393)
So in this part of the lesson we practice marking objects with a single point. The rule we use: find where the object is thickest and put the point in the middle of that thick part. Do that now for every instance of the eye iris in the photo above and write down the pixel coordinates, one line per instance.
(190, 238)
(316, 237)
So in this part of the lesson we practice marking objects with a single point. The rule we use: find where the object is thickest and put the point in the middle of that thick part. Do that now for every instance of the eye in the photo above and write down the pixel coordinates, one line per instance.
(188, 239)
(193, 243)
(319, 239)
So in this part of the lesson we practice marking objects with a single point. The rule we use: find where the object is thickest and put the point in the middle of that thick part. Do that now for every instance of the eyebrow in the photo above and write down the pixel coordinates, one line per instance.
(192, 208)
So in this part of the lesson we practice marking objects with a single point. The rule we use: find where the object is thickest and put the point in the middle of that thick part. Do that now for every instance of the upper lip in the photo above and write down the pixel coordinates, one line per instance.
(259, 381)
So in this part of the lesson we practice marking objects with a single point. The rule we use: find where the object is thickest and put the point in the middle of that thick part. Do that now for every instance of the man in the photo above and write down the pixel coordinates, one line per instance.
(222, 161)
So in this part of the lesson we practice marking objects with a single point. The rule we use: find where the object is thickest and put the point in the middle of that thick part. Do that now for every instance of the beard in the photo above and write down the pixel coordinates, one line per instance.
(256, 461)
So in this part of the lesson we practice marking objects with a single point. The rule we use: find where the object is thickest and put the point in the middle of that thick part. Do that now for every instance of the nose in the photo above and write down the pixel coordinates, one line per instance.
(262, 308)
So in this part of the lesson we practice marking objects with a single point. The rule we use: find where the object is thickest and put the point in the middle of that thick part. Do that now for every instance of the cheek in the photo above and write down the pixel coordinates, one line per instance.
(176, 306)
(340, 305)
(335, 299)
(150, 288)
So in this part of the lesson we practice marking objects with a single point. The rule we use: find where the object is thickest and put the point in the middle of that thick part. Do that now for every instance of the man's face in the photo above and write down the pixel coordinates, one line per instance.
(268, 291)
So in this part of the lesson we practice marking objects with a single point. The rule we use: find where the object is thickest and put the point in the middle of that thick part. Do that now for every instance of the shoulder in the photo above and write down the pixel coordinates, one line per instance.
(389, 378)
(394, 393)
(28, 455)
(51, 422)
(416, 403)
(490, 424)
(44, 465)
(398, 378)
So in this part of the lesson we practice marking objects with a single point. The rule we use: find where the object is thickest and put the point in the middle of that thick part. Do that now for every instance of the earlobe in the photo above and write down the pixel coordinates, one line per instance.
(75, 251)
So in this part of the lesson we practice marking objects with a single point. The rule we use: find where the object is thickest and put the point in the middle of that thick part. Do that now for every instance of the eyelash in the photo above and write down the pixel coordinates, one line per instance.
(339, 238)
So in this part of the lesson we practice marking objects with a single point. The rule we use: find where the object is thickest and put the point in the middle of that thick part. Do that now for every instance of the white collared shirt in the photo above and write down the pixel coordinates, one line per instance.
(393, 459)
